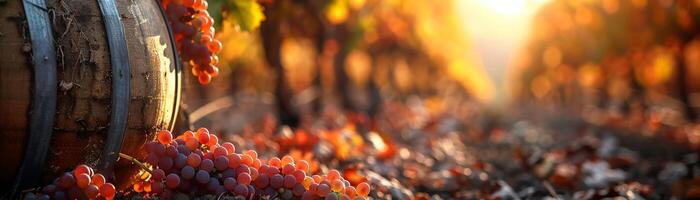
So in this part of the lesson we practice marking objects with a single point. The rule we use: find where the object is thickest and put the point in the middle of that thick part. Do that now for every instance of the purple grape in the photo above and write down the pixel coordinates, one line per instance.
(171, 151)
(276, 181)
(158, 174)
(221, 163)
(241, 190)
(213, 184)
(180, 161)
(165, 163)
(230, 183)
(187, 172)
(202, 176)
(172, 181)
(207, 165)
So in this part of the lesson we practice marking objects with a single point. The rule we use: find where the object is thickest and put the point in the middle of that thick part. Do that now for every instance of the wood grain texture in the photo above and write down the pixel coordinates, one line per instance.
(85, 83)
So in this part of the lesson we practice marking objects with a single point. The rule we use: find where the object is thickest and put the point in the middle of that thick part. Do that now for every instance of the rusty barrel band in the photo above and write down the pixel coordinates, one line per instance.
(121, 77)
(43, 107)
(177, 63)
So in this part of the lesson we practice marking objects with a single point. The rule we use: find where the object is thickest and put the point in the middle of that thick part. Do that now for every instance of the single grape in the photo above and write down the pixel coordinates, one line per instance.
(274, 162)
(171, 151)
(92, 191)
(289, 181)
(333, 174)
(165, 163)
(220, 151)
(214, 46)
(221, 163)
(66, 181)
(252, 154)
(241, 190)
(234, 160)
(180, 161)
(158, 174)
(207, 165)
(350, 191)
(98, 180)
(204, 79)
(202, 135)
(229, 147)
(363, 189)
(322, 190)
(187, 172)
(108, 191)
(82, 169)
(83, 180)
(299, 175)
(244, 178)
(137, 187)
(230, 183)
(164, 137)
(172, 181)
(286, 160)
(288, 169)
(213, 140)
(337, 185)
(276, 181)
(188, 134)
(213, 184)
(194, 160)
(202, 176)
(262, 181)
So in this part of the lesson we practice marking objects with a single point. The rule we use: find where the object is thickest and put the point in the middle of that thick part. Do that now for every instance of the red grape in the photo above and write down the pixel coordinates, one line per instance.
(172, 181)
(244, 178)
(83, 180)
(164, 137)
(108, 191)
(362, 189)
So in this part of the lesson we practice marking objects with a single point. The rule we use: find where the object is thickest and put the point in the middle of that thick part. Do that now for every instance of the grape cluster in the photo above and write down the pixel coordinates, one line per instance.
(196, 164)
(81, 183)
(193, 29)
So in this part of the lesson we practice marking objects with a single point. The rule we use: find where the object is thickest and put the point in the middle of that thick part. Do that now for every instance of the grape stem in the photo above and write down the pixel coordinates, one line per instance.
(137, 162)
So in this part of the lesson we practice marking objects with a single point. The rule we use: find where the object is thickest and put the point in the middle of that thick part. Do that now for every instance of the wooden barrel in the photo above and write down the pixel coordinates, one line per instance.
(81, 81)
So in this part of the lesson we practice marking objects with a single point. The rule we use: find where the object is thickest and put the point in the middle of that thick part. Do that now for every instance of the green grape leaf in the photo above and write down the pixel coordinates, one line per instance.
(246, 13)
